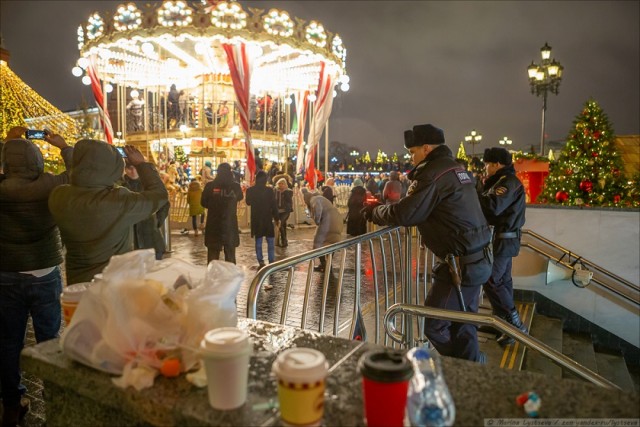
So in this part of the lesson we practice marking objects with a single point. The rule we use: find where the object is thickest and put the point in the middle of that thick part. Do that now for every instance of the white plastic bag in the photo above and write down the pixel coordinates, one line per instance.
(143, 312)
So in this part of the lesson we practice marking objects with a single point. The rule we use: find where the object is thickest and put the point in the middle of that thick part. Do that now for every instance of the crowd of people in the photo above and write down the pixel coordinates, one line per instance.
(106, 204)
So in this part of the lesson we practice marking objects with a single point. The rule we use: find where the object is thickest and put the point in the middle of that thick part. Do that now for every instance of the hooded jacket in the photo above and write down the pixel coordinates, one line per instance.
(327, 218)
(95, 216)
(220, 197)
(29, 237)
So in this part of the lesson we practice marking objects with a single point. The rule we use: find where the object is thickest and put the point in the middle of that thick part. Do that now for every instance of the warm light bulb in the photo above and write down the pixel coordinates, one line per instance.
(311, 97)
(134, 93)
(86, 80)
(344, 87)
(108, 88)
(83, 63)
(76, 71)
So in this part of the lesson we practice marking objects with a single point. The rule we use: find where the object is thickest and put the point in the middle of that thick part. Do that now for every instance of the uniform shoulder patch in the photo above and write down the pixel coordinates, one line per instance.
(501, 191)
(463, 177)
(412, 187)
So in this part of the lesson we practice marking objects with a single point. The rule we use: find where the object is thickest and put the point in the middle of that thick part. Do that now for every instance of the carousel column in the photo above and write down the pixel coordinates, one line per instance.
(326, 149)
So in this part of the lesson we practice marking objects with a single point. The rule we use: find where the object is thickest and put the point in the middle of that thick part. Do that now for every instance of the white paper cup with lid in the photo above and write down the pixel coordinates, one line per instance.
(225, 353)
(301, 376)
(70, 298)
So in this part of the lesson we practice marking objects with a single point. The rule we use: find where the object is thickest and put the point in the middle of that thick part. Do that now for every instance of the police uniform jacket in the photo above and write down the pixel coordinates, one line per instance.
(442, 202)
(503, 202)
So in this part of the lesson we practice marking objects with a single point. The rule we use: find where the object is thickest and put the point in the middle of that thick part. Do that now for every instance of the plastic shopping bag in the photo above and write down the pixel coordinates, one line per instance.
(145, 311)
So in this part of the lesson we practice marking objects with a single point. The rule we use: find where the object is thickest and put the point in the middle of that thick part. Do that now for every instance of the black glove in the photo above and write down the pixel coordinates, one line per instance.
(367, 211)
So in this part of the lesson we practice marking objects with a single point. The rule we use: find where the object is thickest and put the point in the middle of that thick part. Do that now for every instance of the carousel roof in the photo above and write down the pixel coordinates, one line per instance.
(175, 42)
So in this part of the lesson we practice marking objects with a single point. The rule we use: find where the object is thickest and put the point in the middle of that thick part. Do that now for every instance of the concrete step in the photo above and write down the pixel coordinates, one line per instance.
(579, 348)
(511, 356)
(614, 368)
(549, 331)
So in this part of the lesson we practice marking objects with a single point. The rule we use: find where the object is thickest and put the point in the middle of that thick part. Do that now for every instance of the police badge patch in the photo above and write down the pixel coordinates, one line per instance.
(501, 191)
(412, 187)
(463, 177)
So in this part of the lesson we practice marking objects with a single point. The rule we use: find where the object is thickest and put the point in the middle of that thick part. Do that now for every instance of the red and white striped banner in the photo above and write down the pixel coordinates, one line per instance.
(96, 88)
(302, 107)
(321, 113)
(240, 66)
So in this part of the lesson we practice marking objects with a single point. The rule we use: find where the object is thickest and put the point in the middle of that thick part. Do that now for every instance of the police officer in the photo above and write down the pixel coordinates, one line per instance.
(503, 203)
(443, 203)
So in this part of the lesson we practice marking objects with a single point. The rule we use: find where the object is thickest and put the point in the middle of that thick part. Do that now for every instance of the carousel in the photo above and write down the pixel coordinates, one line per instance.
(212, 80)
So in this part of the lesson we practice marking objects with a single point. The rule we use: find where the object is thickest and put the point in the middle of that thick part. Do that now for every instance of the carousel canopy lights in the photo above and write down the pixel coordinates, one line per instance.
(96, 27)
(175, 14)
(278, 23)
(229, 15)
(157, 44)
(316, 35)
(127, 18)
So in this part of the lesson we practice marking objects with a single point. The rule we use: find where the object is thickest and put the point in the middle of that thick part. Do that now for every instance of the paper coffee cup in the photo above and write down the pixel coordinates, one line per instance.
(70, 298)
(225, 353)
(301, 376)
(385, 382)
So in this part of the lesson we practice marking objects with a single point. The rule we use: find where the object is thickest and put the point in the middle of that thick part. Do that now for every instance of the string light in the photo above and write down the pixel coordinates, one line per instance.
(22, 106)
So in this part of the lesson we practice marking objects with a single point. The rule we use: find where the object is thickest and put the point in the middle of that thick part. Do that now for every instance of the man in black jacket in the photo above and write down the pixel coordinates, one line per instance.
(443, 204)
(503, 202)
(31, 254)
(220, 197)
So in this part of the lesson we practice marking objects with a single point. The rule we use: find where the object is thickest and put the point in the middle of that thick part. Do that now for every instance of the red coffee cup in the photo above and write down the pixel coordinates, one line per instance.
(385, 382)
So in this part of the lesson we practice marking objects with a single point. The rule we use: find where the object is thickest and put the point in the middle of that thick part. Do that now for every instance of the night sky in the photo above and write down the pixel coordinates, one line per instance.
(460, 65)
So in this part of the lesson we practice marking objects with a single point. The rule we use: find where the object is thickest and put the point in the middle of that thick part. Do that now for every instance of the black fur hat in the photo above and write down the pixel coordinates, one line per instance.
(497, 155)
(408, 138)
(426, 134)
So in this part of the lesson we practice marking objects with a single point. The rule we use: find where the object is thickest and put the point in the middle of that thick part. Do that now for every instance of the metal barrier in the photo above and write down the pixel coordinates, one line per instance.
(380, 254)
(487, 320)
(626, 289)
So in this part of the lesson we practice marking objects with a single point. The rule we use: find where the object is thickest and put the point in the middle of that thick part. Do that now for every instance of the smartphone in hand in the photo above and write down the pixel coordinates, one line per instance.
(122, 152)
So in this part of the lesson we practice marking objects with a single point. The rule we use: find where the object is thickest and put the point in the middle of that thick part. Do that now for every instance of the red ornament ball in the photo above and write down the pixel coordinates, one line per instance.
(569, 171)
(594, 154)
(562, 196)
(596, 135)
(615, 172)
(616, 198)
(586, 186)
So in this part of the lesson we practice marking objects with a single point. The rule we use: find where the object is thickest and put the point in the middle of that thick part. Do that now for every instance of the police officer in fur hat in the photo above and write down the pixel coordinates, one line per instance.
(442, 202)
(503, 202)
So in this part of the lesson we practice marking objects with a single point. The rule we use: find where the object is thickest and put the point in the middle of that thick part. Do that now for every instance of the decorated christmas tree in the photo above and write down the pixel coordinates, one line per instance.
(589, 169)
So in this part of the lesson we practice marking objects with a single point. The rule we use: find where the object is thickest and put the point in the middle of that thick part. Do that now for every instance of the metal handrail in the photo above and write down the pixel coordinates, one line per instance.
(495, 322)
(634, 297)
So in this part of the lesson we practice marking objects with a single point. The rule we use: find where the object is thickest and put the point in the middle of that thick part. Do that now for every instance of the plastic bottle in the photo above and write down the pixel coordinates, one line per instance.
(429, 402)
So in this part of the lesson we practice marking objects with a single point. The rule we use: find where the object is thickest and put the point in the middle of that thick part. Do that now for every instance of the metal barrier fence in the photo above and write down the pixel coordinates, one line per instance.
(374, 271)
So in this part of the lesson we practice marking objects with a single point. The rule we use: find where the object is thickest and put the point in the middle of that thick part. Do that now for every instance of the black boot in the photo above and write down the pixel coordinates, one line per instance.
(514, 318)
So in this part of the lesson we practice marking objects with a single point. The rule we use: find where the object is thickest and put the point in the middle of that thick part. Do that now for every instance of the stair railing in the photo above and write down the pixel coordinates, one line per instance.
(629, 291)
(486, 320)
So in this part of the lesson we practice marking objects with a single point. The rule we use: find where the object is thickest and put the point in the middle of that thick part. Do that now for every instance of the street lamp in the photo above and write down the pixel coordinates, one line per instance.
(473, 138)
(545, 78)
(505, 141)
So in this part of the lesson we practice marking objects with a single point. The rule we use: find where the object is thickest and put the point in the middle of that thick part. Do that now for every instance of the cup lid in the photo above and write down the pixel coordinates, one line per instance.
(74, 292)
(225, 341)
(385, 366)
(300, 365)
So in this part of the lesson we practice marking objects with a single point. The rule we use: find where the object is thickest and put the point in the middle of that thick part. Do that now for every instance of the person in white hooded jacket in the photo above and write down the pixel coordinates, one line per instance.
(327, 218)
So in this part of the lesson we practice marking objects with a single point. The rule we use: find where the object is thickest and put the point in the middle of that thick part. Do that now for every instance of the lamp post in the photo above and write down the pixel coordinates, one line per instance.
(473, 138)
(505, 141)
(544, 78)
